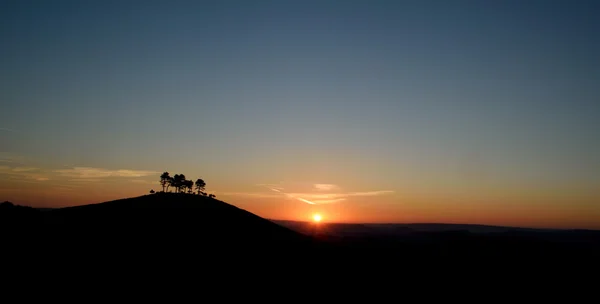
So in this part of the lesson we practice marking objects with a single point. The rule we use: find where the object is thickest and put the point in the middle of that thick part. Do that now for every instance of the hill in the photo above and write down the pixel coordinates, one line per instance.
(154, 225)
(203, 216)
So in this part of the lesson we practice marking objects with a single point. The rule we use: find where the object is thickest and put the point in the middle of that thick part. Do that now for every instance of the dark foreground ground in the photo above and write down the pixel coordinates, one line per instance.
(172, 236)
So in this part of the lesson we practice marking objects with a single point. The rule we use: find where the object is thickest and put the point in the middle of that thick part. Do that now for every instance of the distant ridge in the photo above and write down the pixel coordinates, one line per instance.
(423, 227)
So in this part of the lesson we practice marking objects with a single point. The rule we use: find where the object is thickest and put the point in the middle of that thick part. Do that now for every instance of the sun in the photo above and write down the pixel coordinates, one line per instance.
(317, 217)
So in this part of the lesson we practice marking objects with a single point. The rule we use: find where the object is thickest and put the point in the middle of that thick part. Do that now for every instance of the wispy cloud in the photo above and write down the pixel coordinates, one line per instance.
(95, 173)
(280, 190)
(63, 189)
(25, 174)
(304, 200)
(324, 198)
(253, 194)
(371, 193)
(85, 180)
(8, 130)
(74, 174)
(77, 175)
(271, 186)
(11, 158)
(143, 182)
(24, 169)
(326, 187)
(329, 201)
(321, 196)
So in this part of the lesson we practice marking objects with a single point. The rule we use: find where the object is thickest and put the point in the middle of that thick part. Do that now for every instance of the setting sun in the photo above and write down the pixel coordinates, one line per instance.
(317, 217)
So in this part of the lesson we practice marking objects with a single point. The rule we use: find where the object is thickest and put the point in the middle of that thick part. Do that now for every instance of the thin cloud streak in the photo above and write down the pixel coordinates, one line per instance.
(292, 196)
(24, 169)
(326, 187)
(24, 174)
(325, 198)
(11, 158)
(331, 201)
(308, 198)
(95, 173)
(75, 174)
(143, 182)
(251, 194)
(332, 196)
(371, 193)
(304, 200)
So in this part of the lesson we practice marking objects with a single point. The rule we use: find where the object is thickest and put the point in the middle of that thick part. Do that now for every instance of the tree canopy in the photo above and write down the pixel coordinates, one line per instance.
(183, 185)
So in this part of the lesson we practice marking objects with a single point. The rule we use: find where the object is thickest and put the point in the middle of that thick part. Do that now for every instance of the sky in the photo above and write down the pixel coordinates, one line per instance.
(483, 112)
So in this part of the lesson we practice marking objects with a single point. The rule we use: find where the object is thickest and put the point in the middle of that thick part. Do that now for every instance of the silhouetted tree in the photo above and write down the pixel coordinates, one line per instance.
(189, 184)
(165, 179)
(174, 182)
(182, 183)
(178, 182)
(212, 195)
(152, 191)
(200, 185)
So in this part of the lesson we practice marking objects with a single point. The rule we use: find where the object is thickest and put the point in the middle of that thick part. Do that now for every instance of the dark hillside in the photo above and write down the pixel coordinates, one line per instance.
(154, 225)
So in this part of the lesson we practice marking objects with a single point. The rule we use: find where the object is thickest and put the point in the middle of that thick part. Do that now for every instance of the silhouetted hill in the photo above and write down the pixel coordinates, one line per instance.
(169, 211)
(162, 224)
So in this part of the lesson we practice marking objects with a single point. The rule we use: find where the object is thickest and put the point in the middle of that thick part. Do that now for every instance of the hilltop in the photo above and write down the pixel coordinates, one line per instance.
(170, 211)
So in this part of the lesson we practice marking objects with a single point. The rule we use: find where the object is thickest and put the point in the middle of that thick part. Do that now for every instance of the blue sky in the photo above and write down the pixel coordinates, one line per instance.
(379, 95)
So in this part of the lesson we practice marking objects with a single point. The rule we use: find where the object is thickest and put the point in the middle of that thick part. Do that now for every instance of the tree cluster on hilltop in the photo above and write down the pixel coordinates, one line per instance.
(182, 185)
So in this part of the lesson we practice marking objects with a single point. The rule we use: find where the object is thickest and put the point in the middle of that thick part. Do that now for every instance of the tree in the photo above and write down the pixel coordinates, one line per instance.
(152, 191)
(169, 182)
(200, 185)
(174, 182)
(189, 184)
(178, 182)
(165, 179)
(212, 195)
(181, 182)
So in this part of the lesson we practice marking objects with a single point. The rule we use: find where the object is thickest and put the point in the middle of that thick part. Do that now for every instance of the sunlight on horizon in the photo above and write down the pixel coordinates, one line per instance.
(317, 217)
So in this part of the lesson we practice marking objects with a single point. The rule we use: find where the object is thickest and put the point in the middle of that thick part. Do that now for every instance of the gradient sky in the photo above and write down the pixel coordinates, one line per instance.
(375, 111)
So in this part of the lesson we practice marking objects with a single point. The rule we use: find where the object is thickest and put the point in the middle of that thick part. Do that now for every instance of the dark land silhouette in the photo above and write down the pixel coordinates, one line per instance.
(179, 244)
(192, 232)
(456, 241)
(170, 219)
(188, 224)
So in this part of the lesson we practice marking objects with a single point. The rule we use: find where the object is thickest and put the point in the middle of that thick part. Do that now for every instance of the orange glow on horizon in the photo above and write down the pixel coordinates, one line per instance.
(568, 210)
